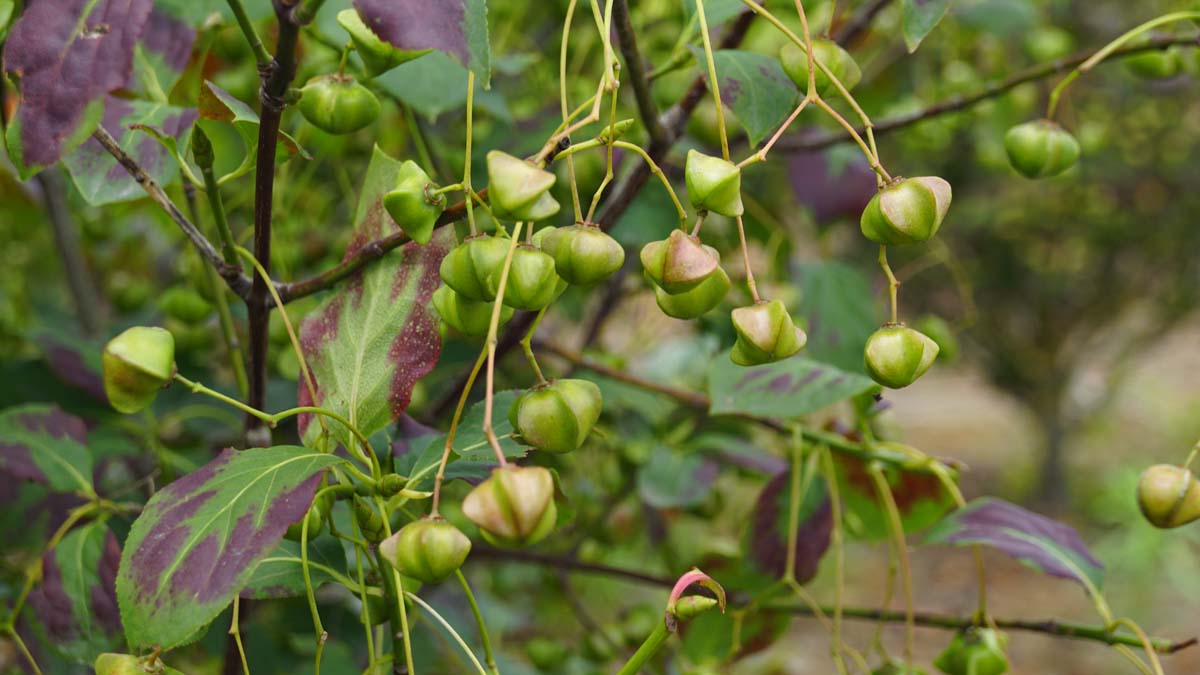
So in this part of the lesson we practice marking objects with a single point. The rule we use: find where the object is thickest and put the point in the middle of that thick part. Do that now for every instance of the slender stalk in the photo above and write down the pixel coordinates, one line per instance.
(761, 155)
(261, 55)
(658, 172)
(1107, 50)
(653, 642)
(16, 638)
(1145, 640)
(608, 170)
(483, 634)
(236, 633)
(562, 96)
(893, 283)
(875, 165)
(713, 85)
(635, 71)
(449, 629)
(527, 346)
(839, 554)
(396, 591)
(66, 239)
(491, 346)
(466, 181)
(458, 411)
(900, 545)
(746, 261)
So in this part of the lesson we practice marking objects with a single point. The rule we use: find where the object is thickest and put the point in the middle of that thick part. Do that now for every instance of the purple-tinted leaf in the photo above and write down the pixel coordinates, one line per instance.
(41, 443)
(455, 27)
(755, 87)
(767, 541)
(788, 388)
(919, 497)
(672, 479)
(161, 55)
(376, 334)
(76, 604)
(66, 56)
(280, 574)
(100, 179)
(199, 540)
(75, 361)
(1045, 545)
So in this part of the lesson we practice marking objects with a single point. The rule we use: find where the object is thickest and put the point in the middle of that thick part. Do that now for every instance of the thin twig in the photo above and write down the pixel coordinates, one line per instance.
(635, 70)
(66, 239)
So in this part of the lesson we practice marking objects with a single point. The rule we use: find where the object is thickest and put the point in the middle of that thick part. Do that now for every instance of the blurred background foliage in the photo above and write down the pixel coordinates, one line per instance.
(1073, 300)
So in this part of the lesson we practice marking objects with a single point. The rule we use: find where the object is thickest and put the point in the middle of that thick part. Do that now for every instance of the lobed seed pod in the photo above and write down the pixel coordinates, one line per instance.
(698, 301)
(583, 254)
(337, 104)
(428, 550)
(466, 316)
(412, 203)
(679, 263)
(714, 184)
(907, 211)
(557, 417)
(514, 507)
(795, 63)
(1040, 149)
(518, 190)
(137, 364)
(765, 333)
(1168, 495)
(896, 355)
(473, 267)
(975, 651)
(532, 282)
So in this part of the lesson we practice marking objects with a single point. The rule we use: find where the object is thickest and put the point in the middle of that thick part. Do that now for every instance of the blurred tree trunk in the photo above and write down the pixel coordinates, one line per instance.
(1053, 490)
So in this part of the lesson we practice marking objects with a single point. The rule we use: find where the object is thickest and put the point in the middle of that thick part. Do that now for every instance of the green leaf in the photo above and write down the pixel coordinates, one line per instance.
(919, 497)
(198, 541)
(472, 457)
(6, 13)
(1045, 545)
(755, 88)
(65, 57)
(458, 28)
(221, 106)
(101, 180)
(41, 443)
(435, 84)
(75, 604)
(376, 334)
(672, 479)
(788, 388)
(841, 313)
(919, 18)
(716, 12)
(281, 575)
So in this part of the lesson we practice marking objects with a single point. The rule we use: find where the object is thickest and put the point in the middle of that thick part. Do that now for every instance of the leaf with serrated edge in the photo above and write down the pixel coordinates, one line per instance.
(75, 604)
(66, 56)
(100, 179)
(1045, 545)
(788, 388)
(41, 443)
(198, 541)
(458, 28)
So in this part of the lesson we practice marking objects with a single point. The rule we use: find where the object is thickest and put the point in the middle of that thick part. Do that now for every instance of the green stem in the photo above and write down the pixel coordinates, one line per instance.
(839, 554)
(713, 85)
(900, 545)
(12, 633)
(395, 587)
(450, 629)
(608, 172)
(261, 55)
(212, 191)
(493, 329)
(649, 647)
(657, 171)
(527, 346)
(562, 96)
(483, 634)
(893, 283)
(1107, 50)
(466, 181)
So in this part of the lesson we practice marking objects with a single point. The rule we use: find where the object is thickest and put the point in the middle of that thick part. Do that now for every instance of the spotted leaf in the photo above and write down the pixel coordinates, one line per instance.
(199, 540)
(41, 443)
(376, 335)
(66, 56)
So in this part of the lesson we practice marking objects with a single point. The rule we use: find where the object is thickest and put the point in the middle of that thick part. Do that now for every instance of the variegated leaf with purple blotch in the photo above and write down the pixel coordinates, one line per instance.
(755, 88)
(376, 335)
(920, 499)
(919, 17)
(41, 443)
(281, 575)
(788, 388)
(766, 544)
(458, 28)
(199, 540)
(74, 608)
(219, 105)
(1045, 545)
(100, 179)
(75, 360)
(161, 54)
(66, 56)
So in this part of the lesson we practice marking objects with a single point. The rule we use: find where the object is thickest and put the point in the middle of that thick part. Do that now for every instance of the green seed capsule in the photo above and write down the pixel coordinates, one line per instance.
(137, 364)
(1169, 496)
(975, 651)
(679, 263)
(557, 417)
(473, 267)
(907, 211)
(338, 104)
(514, 507)
(429, 550)
(518, 190)
(837, 60)
(698, 301)
(412, 203)
(584, 255)
(466, 316)
(897, 355)
(532, 282)
(1040, 149)
(1155, 64)
(714, 184)
(765, 333)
